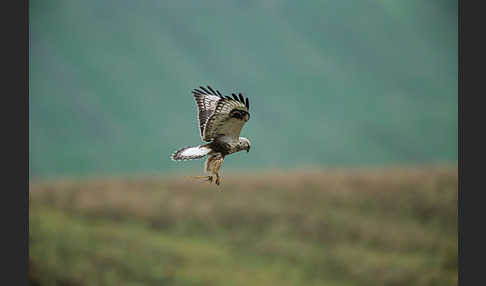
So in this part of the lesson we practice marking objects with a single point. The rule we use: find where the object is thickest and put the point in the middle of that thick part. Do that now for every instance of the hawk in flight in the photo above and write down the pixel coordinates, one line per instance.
(221, 119)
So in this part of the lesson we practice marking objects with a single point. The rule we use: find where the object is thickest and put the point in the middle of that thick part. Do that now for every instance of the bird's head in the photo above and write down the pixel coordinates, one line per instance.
(245, 144)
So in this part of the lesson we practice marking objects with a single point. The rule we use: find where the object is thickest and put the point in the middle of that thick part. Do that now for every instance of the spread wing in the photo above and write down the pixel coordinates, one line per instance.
(206, 100)
(228, 118)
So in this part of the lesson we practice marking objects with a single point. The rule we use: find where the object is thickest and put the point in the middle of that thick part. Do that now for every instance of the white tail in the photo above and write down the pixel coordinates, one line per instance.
(190, 153)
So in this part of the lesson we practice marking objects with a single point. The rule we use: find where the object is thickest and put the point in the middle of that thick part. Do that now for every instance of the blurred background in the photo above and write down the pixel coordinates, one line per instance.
(352, 175)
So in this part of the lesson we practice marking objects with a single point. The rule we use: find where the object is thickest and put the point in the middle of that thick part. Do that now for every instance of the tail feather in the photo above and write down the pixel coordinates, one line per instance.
(190, 153)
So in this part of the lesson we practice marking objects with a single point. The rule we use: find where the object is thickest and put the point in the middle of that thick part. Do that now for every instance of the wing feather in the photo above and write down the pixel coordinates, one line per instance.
(227, 120)
(206, 104)
(220, 115)
(242, 100)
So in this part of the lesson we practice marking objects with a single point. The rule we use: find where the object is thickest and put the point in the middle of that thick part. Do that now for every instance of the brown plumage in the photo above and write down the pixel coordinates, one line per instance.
(212, 166)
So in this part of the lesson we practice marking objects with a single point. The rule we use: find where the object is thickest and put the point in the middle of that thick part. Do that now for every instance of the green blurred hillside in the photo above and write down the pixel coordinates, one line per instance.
(330, 82)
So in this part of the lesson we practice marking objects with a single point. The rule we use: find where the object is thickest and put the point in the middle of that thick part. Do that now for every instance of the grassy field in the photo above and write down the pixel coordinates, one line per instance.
(332, 227)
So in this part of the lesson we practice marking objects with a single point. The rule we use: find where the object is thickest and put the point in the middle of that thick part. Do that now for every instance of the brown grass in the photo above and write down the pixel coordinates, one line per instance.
(398, 224)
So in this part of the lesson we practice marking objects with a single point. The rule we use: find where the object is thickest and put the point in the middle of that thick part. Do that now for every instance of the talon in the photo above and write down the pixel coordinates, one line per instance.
(206, 178)
(218, 180)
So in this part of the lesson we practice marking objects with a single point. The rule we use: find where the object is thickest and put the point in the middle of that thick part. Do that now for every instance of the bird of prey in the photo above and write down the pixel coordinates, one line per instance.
(221, 119)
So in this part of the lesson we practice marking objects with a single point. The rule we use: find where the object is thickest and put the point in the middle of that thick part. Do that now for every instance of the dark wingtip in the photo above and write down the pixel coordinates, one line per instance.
(242, 100)
(247, 103)
(220, 95)
(197, 92)
(203, 88)
(228, 97)
(212, 91)
(235, 97)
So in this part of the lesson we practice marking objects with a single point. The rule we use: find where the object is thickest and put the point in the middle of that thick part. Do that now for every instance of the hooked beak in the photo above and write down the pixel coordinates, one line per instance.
(248, 150)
